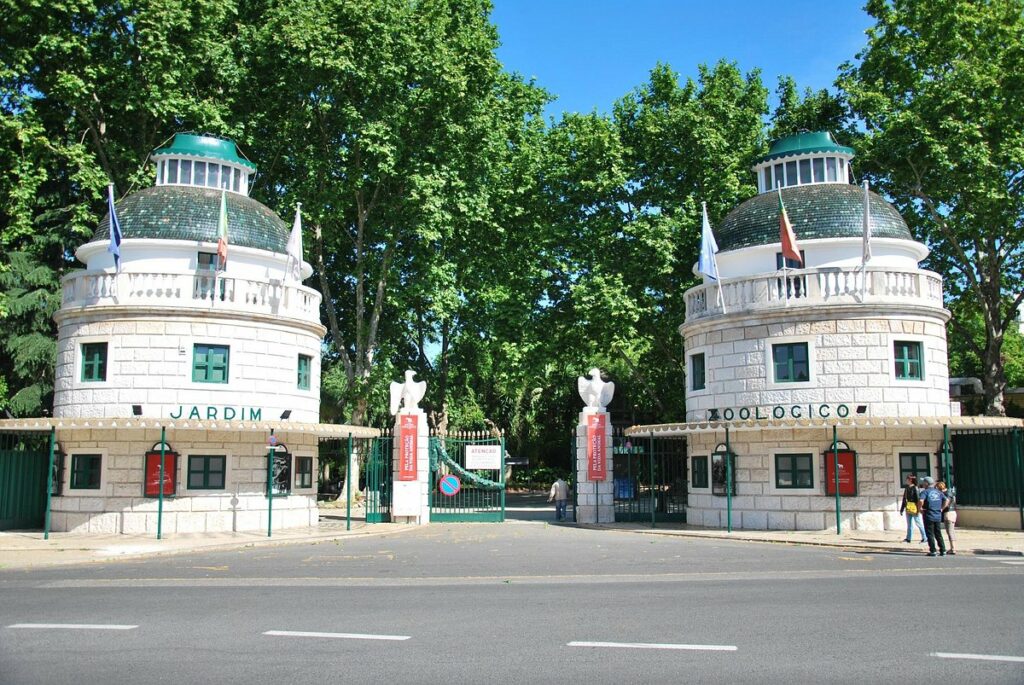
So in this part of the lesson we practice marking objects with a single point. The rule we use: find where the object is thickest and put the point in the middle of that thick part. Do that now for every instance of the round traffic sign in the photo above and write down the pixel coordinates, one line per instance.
(449, 485)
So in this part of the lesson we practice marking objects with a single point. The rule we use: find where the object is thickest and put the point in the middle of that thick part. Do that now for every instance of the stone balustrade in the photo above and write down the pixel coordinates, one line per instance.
(191, 291)
(813, 288)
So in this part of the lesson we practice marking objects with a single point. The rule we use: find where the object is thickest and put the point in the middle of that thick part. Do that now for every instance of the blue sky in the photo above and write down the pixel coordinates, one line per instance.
(589, 53)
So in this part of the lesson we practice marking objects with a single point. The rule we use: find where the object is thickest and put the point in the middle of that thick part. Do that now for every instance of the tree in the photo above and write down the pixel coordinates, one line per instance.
(940, 91)
(813, 111)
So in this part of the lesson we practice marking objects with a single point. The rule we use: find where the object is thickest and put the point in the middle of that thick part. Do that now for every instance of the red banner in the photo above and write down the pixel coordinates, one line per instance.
(847, 473)
(597, 459)
(153, 473)
(408, 428)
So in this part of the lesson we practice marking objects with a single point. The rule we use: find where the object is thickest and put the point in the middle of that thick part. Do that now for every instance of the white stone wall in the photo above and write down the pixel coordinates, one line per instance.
(759, 505)
(118, 506)
(150, 364)
(851, 362)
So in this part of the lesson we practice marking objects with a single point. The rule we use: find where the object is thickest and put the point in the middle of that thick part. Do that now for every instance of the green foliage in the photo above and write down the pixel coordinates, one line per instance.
(940, 89)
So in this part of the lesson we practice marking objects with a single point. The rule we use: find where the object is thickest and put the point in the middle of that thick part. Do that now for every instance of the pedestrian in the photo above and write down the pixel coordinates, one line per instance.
(560, 495)
(949, 515)
(909, 506)
(933, 501)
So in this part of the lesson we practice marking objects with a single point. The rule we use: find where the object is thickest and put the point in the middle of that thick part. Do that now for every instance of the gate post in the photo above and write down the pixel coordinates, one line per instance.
(410, 494)
(595, 492)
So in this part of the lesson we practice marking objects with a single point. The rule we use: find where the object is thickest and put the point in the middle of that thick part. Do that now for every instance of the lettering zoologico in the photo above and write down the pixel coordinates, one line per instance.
(795, 411)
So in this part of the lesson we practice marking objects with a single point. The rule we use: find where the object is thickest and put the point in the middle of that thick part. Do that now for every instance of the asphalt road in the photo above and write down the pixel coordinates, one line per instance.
(517, 603)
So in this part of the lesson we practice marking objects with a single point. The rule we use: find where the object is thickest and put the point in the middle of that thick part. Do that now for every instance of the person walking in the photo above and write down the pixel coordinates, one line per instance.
(949, 515)
(909, 507)
(932, 503)
(560, 495)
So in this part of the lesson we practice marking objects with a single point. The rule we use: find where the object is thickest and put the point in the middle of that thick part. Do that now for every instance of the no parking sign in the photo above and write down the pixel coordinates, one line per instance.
(449, 485)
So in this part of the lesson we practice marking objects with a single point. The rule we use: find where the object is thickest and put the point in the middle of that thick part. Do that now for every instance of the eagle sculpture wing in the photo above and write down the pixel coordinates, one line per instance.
(583, 384)
(396, 396)
(416, 393)
(606, 394)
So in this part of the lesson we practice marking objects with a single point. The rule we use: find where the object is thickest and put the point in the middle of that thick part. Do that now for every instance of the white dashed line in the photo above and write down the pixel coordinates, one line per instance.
(655, 645)
(73, 626)
(336, 636)
(978, 657)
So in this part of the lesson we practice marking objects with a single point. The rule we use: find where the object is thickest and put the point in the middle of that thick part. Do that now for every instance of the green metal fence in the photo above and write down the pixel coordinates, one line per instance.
(378, 457)
(24, 462)
(987, 468)
(650, 483)
(481, 491)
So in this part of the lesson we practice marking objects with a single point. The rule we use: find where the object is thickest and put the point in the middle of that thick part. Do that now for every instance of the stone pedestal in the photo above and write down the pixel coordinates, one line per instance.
(410, 499)
(594, 499)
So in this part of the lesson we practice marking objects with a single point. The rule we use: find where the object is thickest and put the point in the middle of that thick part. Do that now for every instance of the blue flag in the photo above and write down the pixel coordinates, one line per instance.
(706, 262)
(115, 230)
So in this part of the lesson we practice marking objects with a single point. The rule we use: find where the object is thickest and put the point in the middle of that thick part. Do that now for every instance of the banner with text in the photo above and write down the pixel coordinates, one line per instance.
(407, 436)
(596, 441)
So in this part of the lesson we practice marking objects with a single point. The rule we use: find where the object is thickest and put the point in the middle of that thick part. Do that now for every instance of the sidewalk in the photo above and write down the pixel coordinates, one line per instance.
(968, 540)
(26, 550)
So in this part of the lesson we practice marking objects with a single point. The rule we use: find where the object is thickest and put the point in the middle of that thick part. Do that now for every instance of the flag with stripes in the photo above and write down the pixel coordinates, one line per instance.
(114, 248)
(790, 250)
(222, 233)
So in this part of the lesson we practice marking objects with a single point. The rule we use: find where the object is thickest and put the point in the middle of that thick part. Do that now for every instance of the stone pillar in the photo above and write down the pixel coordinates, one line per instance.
(594, 498)
(410, 496)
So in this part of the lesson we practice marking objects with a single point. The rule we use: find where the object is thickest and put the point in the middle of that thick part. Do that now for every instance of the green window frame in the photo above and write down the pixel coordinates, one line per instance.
(303, 472)
(794, 471)
(305, 366)
(85, 471)
(914, 464)
(210, 363)
(791, 363)
(909, 360)
(699, 471)
(698, 374)
(94, 362)
(207, 471)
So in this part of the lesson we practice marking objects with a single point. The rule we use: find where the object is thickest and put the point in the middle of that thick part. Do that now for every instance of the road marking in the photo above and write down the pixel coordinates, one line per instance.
(654, 645)
(74, 626)
(977, 657)
(336, 636)
(1014, 563)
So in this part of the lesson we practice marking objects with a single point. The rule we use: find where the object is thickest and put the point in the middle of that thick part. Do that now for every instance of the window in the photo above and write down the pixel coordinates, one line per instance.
(213, 175)
(805, 171)
(200, 171)
(85, 471)
(305, 362)
(830, 167)
(206, 261)
(206, 472)
(779, 179)
(699, 473)
(790, 263)
(172, 171)
(186, 172)
(697, 378)
(794, 471)
(303, 472)
(791, 177)
(791, 363)
(235, 180)
(819, 169)
(913, 464)
(94, 362)
(210, 364)
(907, 355)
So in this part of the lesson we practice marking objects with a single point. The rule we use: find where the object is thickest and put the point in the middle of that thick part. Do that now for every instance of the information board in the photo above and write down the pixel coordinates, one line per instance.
(597, 460)
(483, 457)
(152, 482)
(407, 444)
(847, 473)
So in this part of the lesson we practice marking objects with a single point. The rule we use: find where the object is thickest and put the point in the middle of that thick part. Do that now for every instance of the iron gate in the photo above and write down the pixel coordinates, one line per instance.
(481, 491)
(24, 461)
(378, 477)
(987, 468)
(650, 482)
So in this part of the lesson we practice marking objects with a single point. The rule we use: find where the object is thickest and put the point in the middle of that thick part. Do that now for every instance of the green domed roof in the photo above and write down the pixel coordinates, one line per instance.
(209, 147)
(191, 213)
(823, 210)
(804, 143)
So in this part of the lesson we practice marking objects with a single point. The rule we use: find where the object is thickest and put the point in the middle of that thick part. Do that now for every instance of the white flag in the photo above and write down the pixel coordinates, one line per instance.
(707, 264)
(294, 249)
(867, 227)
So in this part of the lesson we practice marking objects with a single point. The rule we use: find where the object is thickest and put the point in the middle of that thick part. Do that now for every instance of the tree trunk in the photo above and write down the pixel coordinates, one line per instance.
(994, 377)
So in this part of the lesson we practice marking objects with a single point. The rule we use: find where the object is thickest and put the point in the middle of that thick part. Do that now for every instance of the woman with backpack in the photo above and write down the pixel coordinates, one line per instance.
(910, 507)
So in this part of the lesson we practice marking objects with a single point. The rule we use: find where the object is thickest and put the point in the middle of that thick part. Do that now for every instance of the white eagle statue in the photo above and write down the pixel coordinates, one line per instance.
(407, 395)
(595, 392)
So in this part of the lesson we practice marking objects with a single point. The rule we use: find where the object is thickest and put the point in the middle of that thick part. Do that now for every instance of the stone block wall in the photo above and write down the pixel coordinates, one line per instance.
(760, 505)
(118, 505)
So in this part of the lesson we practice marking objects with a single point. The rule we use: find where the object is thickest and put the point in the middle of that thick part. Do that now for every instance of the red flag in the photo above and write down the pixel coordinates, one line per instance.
(790, 250)
(222, 233)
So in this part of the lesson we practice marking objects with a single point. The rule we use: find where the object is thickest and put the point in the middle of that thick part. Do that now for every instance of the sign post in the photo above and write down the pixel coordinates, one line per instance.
(835, 467)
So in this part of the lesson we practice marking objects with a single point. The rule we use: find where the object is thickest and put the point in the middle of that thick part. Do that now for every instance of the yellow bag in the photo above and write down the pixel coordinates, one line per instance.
(912, 508)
